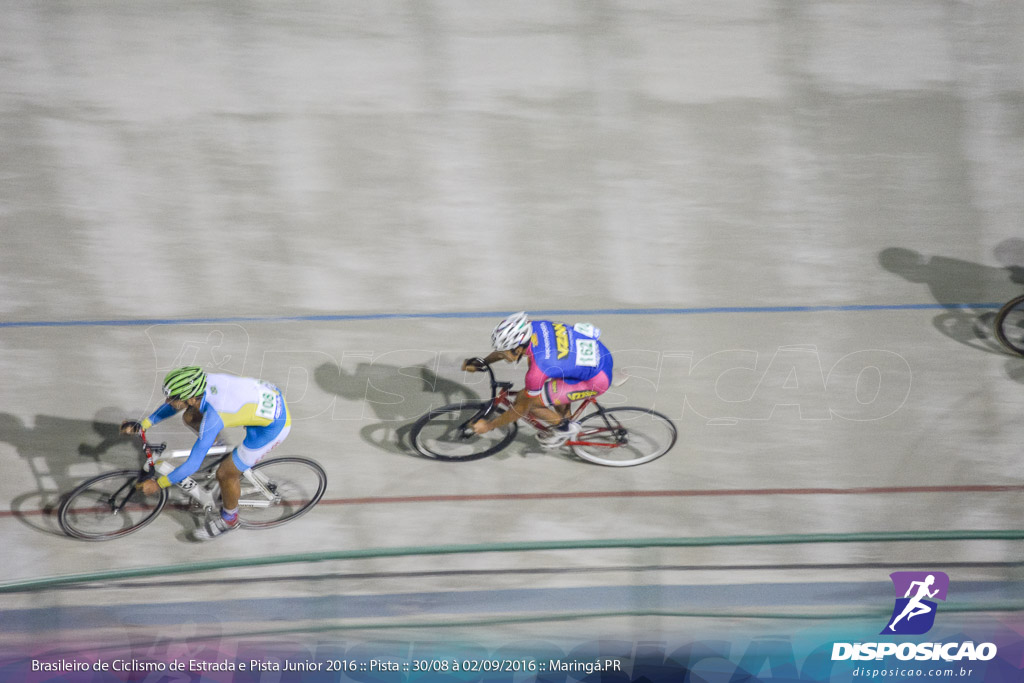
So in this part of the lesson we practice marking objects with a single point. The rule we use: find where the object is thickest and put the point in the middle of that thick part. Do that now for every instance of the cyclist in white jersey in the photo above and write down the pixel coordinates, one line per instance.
(212, 402)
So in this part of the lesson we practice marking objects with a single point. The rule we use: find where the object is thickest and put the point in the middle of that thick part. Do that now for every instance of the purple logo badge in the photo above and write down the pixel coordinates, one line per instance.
(914, 612)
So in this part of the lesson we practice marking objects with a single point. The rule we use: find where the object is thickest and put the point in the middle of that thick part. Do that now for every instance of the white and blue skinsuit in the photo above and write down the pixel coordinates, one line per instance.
(231, 401)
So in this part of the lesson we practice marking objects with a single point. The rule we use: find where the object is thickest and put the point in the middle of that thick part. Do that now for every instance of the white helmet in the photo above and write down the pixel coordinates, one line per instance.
(512, 332)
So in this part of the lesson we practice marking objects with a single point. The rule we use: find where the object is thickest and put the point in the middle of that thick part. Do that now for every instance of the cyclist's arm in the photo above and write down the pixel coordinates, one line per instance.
(490, 359)
(159, 415)
(209, 428)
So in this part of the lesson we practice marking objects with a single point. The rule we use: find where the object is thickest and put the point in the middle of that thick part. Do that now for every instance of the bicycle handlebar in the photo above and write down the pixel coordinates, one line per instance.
(481, 364)
(150, 450)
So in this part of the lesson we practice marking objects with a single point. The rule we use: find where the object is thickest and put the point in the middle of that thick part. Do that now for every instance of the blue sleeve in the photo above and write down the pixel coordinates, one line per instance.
(162, 413)
(209, 428)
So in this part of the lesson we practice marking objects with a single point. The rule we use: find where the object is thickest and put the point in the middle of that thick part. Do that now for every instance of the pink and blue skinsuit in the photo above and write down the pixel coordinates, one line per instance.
(567, 363)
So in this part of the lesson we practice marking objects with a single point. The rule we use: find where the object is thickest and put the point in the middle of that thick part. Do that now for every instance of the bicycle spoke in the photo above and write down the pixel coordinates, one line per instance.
(108, 506)
(288, 487)
(621, 437)
(446, 433)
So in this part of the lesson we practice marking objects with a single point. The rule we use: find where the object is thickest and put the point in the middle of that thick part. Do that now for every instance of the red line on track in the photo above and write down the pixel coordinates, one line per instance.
(711, 493)
(690, 493)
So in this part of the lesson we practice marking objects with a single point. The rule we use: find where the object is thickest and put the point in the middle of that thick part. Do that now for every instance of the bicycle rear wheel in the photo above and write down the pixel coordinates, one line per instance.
(285, 489)
(108, 506)
(621, 437)
(445, 433)
(1009, 326)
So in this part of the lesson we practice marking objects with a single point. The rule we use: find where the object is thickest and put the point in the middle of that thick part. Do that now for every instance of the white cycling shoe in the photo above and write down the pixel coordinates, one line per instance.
(557, 436)
(214, 526)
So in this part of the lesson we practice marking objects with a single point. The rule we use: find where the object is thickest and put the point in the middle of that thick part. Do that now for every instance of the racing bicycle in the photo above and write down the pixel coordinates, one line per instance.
(1009, 326)
(111, 505)
(618, 437)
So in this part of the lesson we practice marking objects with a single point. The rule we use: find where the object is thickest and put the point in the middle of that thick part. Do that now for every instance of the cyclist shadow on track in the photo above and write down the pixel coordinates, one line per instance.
(963, 289)
(57, 463)
(393, 396)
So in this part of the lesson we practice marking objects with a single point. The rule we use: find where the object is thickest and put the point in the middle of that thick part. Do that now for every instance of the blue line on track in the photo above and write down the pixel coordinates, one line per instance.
(861, 594)
(495, 314)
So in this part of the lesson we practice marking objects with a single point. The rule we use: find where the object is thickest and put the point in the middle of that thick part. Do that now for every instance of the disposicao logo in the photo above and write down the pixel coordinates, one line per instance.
(914, 612)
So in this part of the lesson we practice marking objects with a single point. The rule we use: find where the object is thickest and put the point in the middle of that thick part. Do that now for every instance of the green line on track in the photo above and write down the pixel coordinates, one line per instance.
(525, 546)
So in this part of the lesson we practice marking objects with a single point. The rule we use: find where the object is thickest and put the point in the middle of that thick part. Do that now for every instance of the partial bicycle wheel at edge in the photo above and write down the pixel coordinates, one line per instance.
(622, 437)
(295, 485)
(108, 506)
(443, 433)
(1009, 326)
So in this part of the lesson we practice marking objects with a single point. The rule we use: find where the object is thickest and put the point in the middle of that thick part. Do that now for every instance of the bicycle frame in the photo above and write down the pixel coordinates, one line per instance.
(502, 395)
(203, 495)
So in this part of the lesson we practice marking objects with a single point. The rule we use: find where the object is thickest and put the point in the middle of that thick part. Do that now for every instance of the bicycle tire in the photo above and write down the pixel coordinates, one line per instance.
(1009, 326)
(624, 436)
(297, 484)
(440, 434)
(108, 506)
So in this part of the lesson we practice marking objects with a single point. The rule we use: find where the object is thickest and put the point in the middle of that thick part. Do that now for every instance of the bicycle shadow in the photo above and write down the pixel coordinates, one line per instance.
(57, 465)
(393, 397)
(967, 291)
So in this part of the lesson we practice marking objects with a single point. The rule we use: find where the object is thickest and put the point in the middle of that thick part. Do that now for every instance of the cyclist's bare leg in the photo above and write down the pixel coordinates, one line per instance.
(525, 403)
(230, 480)
(549, 415)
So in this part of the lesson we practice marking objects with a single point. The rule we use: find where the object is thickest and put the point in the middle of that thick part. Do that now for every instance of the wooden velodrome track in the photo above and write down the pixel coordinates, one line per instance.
(792, 224)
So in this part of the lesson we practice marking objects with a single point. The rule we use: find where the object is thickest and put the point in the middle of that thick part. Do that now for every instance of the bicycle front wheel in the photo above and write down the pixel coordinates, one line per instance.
(284, 488)
(445, 433)
(1009, 326)
(621, 437)
(108, 506)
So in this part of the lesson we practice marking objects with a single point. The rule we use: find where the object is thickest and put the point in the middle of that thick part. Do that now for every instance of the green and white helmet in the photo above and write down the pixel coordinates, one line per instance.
(512, 332)
(185, 383)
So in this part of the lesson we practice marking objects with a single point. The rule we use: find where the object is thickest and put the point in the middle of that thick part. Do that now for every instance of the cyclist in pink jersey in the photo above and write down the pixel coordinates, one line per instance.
(566, 363)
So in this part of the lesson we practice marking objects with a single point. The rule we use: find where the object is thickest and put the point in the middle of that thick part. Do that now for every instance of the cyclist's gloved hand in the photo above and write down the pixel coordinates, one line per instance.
(473, 364)
(131, 427)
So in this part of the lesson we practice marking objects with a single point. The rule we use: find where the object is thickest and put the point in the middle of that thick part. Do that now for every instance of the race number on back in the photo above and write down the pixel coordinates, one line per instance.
(267, 406)
(586, 353)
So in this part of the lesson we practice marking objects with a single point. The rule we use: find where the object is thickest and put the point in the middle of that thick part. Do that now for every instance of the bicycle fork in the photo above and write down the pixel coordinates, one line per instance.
(465, 429)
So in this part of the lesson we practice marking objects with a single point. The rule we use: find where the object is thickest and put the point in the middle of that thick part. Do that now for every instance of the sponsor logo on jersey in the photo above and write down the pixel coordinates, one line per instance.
(561, 340)
(545, 332)
(577, 395)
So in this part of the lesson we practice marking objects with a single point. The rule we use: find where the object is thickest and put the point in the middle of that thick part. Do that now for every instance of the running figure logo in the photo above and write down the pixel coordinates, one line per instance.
(914, 613)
